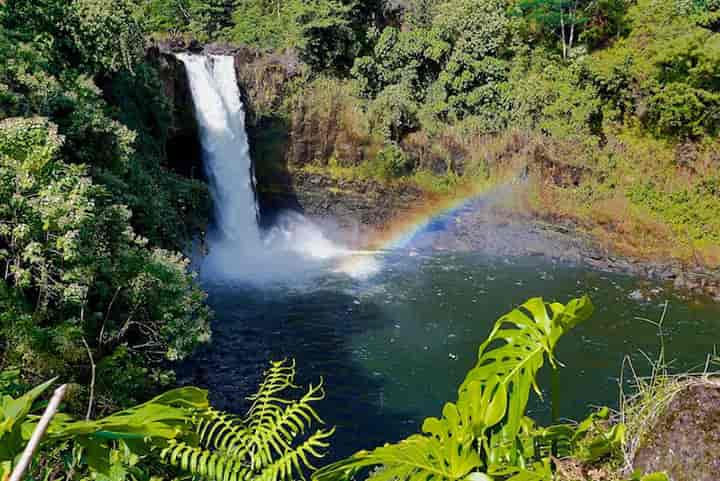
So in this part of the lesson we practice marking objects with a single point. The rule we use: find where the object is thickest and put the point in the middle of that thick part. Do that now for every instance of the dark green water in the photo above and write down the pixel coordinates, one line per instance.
(394, 348)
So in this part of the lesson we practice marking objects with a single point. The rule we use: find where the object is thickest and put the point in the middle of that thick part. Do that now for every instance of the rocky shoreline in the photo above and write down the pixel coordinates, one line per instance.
(364, 207)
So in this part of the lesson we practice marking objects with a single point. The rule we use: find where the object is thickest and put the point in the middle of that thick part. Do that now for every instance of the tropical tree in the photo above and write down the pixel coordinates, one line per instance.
(562, 18)
(77, 281)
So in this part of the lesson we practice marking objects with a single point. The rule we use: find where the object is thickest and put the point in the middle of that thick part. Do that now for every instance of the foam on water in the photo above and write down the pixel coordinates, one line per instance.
(238, 249)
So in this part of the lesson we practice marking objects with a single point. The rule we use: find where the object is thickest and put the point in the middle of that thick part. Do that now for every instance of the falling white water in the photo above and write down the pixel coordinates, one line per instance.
(221, 119)
(238, 249)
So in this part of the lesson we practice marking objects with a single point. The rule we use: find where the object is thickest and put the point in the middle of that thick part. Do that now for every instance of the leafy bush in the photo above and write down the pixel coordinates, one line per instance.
(692, 212)
(106, 34)
(79, 271)
(180, 429)
(392, 161)
(556, 99)
(686, 100)
(393, 112)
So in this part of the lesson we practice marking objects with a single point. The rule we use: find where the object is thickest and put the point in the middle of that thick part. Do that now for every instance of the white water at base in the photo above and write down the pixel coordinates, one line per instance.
(237, 248)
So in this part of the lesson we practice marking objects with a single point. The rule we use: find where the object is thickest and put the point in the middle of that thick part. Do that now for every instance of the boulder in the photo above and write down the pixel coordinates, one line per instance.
(685, 441)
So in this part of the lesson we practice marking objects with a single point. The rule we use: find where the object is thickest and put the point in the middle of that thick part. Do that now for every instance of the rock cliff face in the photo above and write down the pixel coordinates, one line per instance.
(183, 144)
(278, 144)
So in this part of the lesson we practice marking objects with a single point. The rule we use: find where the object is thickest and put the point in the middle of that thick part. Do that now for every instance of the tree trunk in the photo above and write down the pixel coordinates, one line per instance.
(562, 34)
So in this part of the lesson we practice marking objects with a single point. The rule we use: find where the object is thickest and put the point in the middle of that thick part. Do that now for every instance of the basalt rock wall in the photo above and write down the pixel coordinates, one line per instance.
(277, 141)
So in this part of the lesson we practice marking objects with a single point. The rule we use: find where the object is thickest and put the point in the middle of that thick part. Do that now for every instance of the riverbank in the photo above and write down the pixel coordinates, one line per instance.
(503, 221)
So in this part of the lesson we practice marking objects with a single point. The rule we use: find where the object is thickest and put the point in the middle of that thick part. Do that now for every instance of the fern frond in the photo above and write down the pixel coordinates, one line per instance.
(203, 463)
(274, 421)
(278, 378)
(279, 429)
(269, 443)
(223, 431)
(266, 403)
(294, 462)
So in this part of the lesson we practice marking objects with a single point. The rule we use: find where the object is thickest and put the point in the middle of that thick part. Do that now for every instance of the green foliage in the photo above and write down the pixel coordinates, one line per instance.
(106, 34)
(322, 31)
(93, 35)
(561, 18)
(209, 18)
(691, 211)
(88, 215)
(70, 253)
(555, 99)
(269, 443)
(166, 16)
(138, 428)
(453, 65)
(13, 419)
(392, 161)
(393, 112)
(486, 430)
(179, 428)
(685, 101)
(606, 21)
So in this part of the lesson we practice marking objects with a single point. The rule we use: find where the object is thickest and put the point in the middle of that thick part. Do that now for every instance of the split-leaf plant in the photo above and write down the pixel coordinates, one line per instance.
(485, 434)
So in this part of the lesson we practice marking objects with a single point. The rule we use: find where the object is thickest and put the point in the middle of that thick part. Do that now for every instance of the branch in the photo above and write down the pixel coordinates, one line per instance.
(38, 433)
(101, 338)
(92, 381)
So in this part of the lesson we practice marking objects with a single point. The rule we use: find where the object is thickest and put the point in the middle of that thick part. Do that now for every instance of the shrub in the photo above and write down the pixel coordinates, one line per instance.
(78, 269)
(392, 161)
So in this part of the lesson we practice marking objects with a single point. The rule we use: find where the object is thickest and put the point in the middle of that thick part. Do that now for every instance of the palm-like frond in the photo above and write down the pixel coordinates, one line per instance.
(483, 427)
(272, 430)
(222, 431)
(295, 461)
(508, 363)
(269, 443)
(203, 463)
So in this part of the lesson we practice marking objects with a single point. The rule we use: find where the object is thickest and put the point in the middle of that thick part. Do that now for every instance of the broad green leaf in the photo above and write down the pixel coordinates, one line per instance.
(492, 399)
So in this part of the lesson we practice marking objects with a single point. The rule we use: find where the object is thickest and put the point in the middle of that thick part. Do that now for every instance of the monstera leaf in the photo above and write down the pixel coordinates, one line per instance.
(444, 452)
(508, 363)
(483, 431)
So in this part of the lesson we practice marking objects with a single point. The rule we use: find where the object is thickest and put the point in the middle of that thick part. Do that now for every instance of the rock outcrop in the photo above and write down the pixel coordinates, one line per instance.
(183, 147)
(685, 441)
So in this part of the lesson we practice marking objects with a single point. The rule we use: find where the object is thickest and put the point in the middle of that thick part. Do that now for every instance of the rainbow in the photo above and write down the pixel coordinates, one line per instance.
(401, 231)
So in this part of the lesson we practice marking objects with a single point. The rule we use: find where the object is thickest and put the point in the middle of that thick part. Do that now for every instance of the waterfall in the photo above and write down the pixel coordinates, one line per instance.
(221, 119)
(237, 247)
